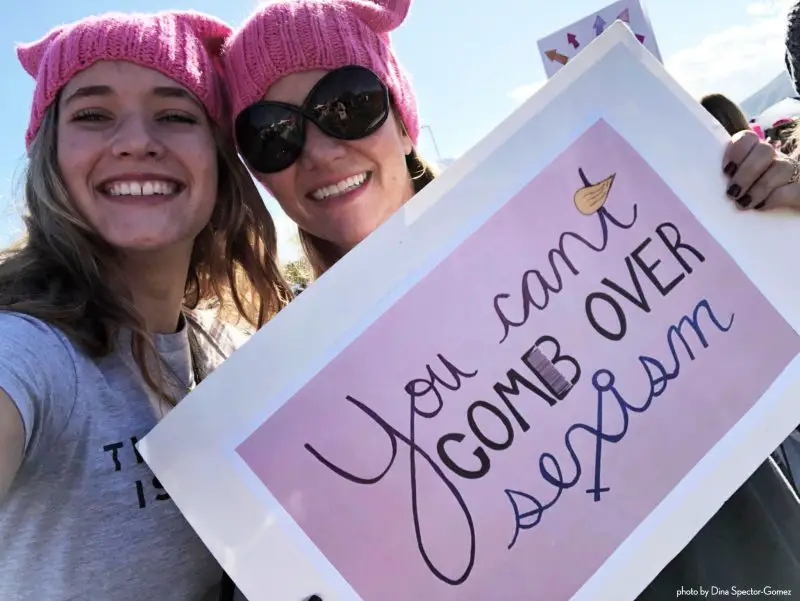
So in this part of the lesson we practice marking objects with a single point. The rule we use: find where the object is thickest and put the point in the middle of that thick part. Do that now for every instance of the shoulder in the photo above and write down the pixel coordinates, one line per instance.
(20, 333)
(38, 372)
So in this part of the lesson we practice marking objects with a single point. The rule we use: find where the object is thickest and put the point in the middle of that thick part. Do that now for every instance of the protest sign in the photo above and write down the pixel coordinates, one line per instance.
(558, 48)
(538, 380)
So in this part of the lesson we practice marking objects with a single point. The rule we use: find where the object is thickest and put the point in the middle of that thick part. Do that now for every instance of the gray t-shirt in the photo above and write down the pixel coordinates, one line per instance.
(85, 518)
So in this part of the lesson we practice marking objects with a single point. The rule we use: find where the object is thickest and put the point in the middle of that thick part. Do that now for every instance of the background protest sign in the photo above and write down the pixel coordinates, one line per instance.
(558, 48)
(490, 416)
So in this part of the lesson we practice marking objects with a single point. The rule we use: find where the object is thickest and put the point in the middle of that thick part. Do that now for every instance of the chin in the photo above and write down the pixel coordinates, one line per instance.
(147, 242)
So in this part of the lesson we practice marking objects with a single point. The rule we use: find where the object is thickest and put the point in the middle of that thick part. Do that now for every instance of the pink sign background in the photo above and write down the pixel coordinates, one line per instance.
(659, 415)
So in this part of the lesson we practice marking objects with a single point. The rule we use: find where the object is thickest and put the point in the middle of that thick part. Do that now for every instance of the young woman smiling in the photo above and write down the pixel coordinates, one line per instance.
(325, 117)
(141, 227)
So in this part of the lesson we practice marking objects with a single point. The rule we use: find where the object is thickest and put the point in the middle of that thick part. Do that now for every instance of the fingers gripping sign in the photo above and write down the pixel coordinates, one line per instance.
(759, 176)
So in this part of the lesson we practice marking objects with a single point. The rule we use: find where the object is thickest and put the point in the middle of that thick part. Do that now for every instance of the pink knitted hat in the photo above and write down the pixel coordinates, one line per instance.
(181, 45)
(287, 36)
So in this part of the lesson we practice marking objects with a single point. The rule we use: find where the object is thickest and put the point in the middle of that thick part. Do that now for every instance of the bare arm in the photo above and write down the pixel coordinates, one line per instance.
(12, 442)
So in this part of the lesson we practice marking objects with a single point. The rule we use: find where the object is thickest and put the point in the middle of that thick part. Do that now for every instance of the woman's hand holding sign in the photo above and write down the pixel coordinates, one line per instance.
(760, 177)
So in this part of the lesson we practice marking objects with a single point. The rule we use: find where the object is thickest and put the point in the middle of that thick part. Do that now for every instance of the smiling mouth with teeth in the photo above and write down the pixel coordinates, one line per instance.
(343, 187)
(138, 188)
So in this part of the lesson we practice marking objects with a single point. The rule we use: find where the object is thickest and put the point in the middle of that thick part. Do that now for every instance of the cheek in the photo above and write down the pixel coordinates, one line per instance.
(76, 149)
(387, 150)
(76, 155)
(199, 157)
(388, 153)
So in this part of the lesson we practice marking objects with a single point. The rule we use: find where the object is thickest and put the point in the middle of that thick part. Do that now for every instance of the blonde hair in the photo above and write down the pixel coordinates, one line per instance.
(64, 273)
(785, 137)
(322, 254)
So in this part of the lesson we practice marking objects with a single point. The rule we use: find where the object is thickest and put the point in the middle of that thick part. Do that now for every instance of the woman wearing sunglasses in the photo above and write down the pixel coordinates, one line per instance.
(326, 119)
(141, 224)
(342, 177)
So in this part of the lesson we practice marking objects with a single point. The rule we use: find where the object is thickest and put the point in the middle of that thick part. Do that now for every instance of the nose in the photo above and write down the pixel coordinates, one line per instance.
(135, 137)
(320, 150)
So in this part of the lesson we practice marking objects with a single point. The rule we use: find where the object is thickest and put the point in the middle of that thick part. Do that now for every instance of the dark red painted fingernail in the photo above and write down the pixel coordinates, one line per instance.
(730, 169)
(760, 205)
(744, 201)
(734, 191)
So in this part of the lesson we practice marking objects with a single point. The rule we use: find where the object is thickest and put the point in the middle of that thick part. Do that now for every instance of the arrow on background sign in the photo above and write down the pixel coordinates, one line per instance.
(599, 25)
(625, 16)
(640, 37)
(571, 39)
(556, 56)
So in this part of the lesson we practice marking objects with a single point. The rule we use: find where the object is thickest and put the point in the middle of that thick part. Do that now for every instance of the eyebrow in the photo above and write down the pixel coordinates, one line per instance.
(160, 91)
(173, 92)
(88, 91)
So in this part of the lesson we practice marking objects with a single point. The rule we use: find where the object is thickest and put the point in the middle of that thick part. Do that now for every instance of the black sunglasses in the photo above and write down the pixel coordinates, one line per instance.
(349, 103)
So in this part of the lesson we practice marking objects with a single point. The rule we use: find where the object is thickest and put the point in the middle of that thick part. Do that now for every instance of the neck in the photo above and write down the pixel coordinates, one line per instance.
(157, 281)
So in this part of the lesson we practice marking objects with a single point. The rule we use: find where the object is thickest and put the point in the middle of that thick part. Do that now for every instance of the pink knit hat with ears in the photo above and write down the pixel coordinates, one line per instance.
(182, 45)
(287, 36)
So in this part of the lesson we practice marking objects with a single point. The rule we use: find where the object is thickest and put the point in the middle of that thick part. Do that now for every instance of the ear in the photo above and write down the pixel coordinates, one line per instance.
(381, 16)
(408, 145)
(31, 55)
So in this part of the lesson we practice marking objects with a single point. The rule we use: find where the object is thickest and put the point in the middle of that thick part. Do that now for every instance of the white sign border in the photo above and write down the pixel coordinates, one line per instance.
(192, 451)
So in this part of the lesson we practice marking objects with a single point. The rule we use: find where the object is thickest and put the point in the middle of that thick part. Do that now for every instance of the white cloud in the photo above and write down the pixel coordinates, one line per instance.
(736, 61)
(739, 60)
(763, 9)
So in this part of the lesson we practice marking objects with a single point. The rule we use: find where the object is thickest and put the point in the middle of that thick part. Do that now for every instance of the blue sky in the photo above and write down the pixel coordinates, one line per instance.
(472, 63)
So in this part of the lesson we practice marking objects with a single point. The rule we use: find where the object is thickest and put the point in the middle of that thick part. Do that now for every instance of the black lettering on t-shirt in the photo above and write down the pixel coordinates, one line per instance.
(140, 494)
(134, 440)
(114, 448)
(162, 496)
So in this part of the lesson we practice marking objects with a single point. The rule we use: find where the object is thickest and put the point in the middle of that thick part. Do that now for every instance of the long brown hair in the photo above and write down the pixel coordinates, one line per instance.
(63, 273)
(322, 254)
(726, 111)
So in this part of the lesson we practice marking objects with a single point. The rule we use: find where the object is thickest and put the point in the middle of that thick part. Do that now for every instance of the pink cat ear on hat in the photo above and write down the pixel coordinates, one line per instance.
(382, 16)
(30, 55)
(211, 31)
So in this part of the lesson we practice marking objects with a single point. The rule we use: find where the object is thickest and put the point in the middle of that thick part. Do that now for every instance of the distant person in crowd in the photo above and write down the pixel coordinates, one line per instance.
(141, 227)
(781, 135)
(347, 173)
(726, 111)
